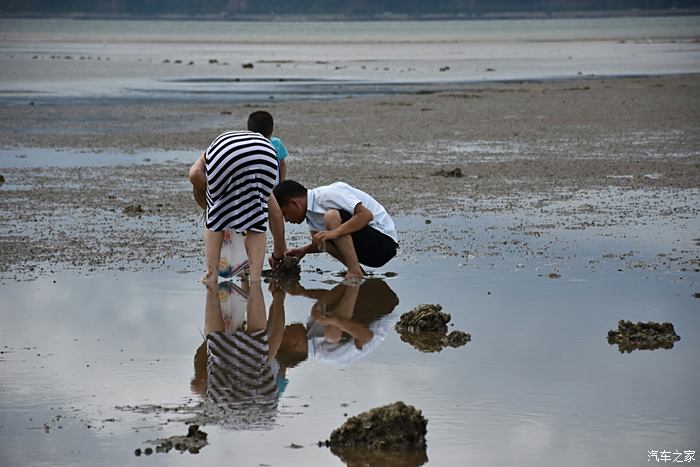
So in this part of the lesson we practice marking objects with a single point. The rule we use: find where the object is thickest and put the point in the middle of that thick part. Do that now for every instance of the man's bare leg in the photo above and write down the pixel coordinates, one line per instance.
(344, 245)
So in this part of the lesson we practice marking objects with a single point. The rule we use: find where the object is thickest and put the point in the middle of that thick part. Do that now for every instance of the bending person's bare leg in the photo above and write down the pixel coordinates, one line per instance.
(255, 245)
(212, 254)
(198, 178)
(255, 309)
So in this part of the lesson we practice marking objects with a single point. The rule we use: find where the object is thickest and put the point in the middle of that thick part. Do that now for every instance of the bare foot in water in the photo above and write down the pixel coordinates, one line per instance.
(355, 276)
(210, 279)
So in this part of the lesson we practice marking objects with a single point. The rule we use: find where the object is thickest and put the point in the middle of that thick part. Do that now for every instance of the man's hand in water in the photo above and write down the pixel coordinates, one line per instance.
(274, 262)
(298, 252)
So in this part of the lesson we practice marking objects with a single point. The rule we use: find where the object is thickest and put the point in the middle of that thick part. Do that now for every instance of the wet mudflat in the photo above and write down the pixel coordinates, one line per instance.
(556, 231)
(96, 366)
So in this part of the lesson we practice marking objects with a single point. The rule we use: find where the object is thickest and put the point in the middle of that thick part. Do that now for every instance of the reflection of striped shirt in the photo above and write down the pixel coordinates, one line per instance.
(241, 169)
(240, 379)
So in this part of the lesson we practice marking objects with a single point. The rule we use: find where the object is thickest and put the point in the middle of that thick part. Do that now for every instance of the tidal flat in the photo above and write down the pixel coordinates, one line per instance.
(577, 208)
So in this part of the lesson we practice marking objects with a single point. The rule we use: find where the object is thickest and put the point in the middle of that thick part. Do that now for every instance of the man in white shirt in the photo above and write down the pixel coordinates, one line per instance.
(346, 222)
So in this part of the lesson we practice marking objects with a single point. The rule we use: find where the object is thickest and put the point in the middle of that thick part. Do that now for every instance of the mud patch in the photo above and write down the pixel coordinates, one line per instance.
(425, 328)
(642, 336)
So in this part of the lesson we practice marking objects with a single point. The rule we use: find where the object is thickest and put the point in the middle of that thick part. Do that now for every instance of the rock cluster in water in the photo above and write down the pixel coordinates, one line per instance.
(192, 442)
(287, 269)
(642, 336)
(391, 427)
(425, 328)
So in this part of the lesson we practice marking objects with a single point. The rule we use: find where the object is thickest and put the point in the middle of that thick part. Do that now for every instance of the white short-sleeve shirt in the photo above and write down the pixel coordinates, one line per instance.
(342, 196)
(345, 352)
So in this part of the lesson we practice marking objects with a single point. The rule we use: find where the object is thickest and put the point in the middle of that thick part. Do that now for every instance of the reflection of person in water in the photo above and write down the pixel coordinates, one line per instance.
(345, 323)
(235, 367)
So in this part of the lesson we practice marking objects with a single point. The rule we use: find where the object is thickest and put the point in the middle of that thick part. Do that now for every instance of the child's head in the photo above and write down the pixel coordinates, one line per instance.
(261, 122)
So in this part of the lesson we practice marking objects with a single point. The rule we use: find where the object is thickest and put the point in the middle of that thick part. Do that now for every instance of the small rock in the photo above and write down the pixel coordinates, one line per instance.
(424, 318)
(247, 65)
(192, 442)
(425, 328)
(454, 173)
(133, 210)
(642, 336)
(395, 426)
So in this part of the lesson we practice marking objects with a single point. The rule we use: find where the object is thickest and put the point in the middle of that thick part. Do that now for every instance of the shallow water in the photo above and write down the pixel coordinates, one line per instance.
(90, 363)
(42, 157)
(46, 59)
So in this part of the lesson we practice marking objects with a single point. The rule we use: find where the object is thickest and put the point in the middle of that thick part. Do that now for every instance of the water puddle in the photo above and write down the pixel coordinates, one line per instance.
(41, 157)
(95, 368)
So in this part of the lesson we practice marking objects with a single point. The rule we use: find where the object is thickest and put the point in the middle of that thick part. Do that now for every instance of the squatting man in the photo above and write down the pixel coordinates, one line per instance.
(345, 222)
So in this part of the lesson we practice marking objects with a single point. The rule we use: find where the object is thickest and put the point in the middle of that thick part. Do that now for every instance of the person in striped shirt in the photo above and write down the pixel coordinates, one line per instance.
(259, 121)
(241, 170)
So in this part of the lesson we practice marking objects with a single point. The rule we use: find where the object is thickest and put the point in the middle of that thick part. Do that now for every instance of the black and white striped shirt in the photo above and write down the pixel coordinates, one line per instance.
(242, 170)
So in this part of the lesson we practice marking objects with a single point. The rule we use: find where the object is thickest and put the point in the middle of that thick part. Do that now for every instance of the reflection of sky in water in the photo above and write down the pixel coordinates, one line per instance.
(538, 383)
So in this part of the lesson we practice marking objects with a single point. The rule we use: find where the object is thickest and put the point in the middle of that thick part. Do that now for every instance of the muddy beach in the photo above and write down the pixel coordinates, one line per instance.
(593, 152)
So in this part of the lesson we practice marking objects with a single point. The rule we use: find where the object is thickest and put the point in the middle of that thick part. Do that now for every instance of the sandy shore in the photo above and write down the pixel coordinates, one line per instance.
(519, 146)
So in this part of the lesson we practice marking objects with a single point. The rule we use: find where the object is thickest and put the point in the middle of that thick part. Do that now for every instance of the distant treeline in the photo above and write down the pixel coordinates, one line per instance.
(349, 8)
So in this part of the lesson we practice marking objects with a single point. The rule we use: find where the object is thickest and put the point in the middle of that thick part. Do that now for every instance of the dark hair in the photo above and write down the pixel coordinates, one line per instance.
(261, 122)
(286, 356)
(287, 190)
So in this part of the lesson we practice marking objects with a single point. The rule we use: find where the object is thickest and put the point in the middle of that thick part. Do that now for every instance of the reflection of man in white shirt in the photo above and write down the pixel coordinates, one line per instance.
(347, 322)
(344, 221)
(346, 349)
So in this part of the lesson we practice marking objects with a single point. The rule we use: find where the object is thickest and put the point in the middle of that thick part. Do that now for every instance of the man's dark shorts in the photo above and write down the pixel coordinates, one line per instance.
(373, 248)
